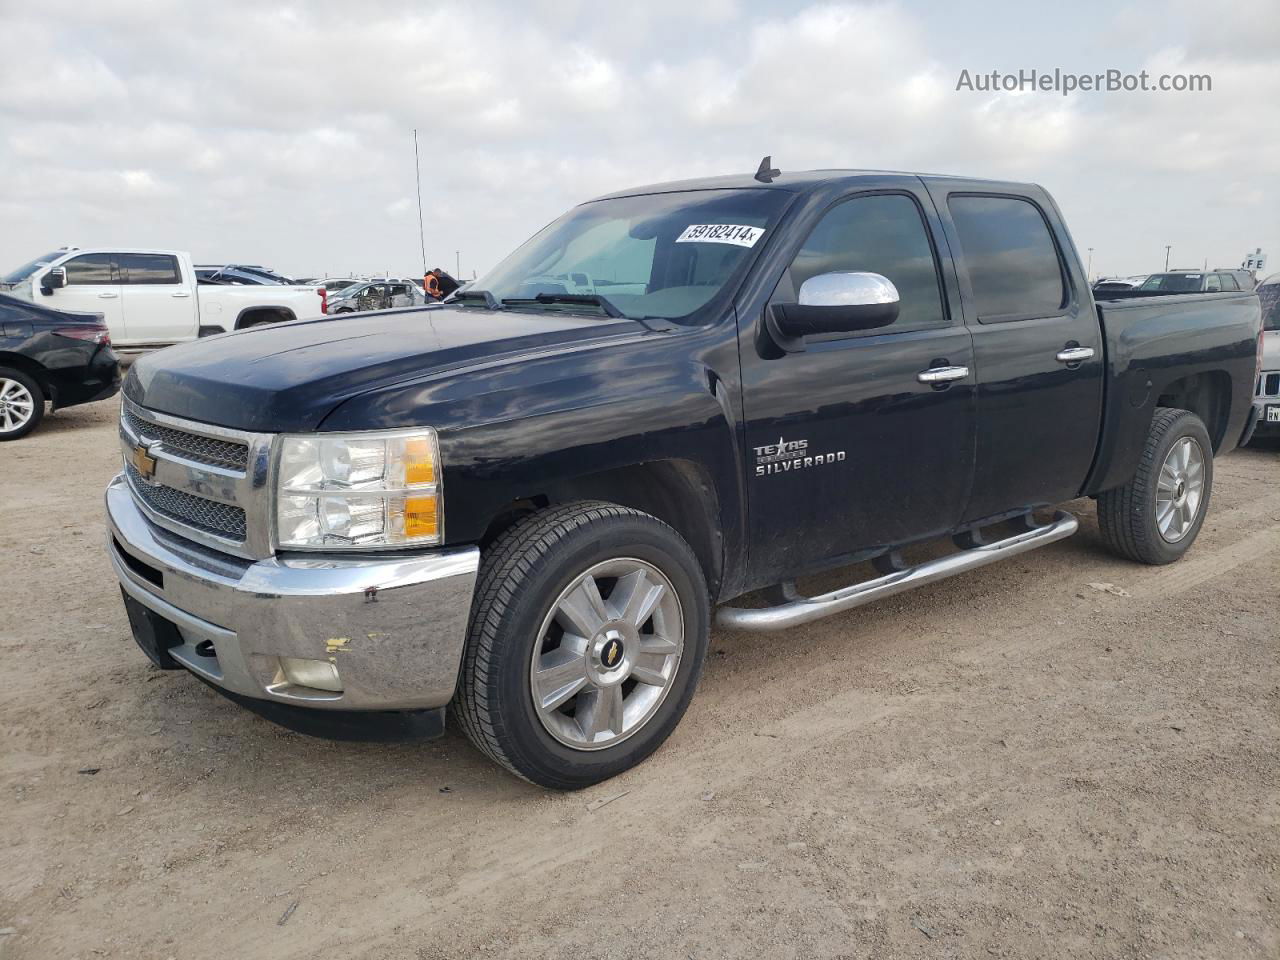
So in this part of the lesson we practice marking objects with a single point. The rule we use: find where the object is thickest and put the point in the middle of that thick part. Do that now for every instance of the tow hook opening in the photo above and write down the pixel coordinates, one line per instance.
(302, 677)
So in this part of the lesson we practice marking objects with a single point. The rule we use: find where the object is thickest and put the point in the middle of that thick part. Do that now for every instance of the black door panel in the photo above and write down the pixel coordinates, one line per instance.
(1025, 301)
(885, 459)
(848, 451)
(1037, 416)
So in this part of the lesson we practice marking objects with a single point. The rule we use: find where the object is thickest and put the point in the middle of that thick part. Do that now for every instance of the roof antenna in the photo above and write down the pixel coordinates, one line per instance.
(767, 171)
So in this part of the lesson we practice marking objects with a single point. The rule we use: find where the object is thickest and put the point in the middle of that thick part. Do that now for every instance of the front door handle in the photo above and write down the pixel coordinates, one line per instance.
(936, 375)
(1074, 354)
(181, 293)
(107, 296)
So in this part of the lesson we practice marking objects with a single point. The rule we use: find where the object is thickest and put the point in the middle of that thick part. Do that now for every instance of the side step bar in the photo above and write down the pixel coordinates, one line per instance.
(808, 609)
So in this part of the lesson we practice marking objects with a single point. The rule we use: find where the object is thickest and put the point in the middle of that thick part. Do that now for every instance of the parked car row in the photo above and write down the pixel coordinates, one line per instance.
(1197, 281)
(1177, 281)
(154, 298)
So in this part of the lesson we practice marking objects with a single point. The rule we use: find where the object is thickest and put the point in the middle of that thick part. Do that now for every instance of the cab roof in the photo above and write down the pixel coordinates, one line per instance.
(795, 181)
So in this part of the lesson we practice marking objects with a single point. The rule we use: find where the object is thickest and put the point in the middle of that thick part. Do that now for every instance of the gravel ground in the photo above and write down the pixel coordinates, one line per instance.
(1012, 763)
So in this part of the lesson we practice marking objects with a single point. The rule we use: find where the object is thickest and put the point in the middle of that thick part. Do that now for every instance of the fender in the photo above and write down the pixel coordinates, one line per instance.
(519, 431)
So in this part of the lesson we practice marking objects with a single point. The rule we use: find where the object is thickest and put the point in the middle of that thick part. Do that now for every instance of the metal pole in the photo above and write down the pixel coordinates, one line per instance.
(1166, 258)
(1088, 271)
(417, 171)
(457, 263)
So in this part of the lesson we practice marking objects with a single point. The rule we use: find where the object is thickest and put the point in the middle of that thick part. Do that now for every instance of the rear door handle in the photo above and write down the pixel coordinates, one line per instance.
(181, 293)
(1074, 354)
(107, 296)
(936, 375)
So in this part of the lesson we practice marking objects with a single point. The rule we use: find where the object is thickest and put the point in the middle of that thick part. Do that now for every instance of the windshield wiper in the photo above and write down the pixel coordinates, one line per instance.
(487, 298)
(589, 299)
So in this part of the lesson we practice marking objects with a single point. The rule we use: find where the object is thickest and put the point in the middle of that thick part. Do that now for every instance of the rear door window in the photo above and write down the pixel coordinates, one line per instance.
(1010, 255)
(138, 269)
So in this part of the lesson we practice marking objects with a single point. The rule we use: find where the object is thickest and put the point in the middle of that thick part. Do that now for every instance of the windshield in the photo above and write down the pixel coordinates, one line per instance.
(27, 269)
(1174, 282)
(658, 255)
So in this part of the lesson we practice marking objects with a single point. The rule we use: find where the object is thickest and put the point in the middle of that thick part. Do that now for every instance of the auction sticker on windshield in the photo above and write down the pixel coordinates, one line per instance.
(721, 233)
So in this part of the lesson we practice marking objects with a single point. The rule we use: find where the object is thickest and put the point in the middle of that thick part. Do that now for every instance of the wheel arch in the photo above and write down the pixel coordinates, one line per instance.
(16, 361)
(249, 315)
(1207, 395)
(678, 492)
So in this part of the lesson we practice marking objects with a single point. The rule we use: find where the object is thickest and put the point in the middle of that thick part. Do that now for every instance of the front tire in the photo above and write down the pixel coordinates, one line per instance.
(587, 636)
(1156, 516)
(21, 404)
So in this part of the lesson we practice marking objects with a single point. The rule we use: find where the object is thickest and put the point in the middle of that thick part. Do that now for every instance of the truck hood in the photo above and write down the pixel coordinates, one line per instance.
(287, 377)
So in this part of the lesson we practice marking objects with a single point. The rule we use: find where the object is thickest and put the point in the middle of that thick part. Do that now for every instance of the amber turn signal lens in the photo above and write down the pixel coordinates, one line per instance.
(419, 463)
(421, 518)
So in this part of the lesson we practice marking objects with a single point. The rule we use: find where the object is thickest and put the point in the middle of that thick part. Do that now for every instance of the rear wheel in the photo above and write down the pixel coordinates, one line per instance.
(1156, 516)
(586, 642)
(21, 404)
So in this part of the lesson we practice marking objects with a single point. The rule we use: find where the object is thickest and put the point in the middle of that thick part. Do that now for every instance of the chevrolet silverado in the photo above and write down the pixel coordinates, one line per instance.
(525, 505)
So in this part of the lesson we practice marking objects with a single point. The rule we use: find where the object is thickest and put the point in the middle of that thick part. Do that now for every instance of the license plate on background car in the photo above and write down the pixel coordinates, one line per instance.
(1273, 413)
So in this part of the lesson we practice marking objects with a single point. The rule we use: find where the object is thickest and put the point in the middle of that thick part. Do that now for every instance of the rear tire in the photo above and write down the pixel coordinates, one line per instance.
(630, 642)
(21, 404)
(1156, 516)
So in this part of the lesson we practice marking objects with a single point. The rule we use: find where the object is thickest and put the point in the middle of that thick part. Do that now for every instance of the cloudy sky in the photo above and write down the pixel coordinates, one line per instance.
(281, 133)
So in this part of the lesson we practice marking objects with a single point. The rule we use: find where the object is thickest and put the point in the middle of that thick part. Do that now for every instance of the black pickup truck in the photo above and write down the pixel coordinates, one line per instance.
(527, 503)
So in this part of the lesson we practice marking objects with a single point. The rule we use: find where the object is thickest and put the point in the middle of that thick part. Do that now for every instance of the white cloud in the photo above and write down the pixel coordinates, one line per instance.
(282, 133)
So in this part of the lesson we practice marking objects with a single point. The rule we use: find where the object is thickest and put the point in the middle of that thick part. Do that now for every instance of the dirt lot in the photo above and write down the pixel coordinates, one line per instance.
(1012, 763)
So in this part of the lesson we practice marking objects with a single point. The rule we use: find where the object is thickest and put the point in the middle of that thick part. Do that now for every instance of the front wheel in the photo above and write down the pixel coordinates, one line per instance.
(587, 637)
(1156, 516)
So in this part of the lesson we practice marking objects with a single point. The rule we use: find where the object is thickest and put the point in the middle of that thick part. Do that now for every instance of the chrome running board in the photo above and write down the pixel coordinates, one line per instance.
(808, 609)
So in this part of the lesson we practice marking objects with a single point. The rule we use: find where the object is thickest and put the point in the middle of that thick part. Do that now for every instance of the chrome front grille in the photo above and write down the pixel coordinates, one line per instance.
(206, 483)
(218, 519)
(193, 446)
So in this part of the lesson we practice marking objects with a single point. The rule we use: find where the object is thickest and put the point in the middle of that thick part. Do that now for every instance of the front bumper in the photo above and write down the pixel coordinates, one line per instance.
(395, 625)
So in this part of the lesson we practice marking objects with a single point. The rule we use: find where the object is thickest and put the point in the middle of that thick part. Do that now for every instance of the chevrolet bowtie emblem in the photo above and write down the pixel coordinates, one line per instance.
(143, 461)
(611, 653)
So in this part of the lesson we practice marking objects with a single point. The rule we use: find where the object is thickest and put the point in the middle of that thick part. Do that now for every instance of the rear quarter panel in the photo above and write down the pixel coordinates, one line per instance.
(222, 305)
(1153, 342)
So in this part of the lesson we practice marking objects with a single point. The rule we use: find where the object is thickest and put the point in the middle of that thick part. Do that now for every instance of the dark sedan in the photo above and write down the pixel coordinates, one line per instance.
(50, 355)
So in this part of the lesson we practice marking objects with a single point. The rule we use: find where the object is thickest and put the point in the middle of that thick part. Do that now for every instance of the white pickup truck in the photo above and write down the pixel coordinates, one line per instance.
(152, 298)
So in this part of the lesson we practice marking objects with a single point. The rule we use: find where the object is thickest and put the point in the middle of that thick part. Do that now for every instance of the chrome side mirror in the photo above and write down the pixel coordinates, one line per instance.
(844, 302)
(848, 289)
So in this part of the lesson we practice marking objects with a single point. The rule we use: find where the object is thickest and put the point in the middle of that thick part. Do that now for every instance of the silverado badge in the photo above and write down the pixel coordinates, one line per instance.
(787, 455)
(143, 461)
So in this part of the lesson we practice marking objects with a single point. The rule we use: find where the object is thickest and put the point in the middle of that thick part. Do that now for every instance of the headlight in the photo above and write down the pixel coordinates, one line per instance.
(367, 490)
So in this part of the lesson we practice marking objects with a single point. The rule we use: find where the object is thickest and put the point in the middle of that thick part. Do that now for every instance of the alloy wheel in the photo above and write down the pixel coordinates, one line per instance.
(607, 654)
(16, 405)
(1180, 490)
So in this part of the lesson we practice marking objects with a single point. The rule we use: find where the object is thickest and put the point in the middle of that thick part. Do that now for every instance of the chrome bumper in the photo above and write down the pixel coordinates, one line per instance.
(395, 626)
